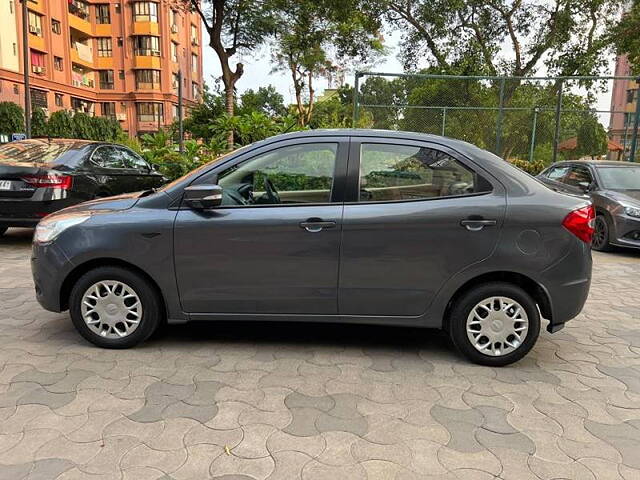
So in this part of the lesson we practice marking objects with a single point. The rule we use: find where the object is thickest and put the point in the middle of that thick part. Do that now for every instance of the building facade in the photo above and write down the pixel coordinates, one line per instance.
(116, 58)
(623, 105)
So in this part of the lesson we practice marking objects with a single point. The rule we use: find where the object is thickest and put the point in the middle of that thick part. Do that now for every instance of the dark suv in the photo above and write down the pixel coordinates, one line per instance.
(357, 226)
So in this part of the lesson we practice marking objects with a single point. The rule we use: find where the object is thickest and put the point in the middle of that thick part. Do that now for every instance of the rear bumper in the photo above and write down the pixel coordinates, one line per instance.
(27, 213)
(49, 267)
(567, 285)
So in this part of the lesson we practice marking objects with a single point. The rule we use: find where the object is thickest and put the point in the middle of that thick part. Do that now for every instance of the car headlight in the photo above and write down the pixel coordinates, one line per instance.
(48, 229)
(632, 211)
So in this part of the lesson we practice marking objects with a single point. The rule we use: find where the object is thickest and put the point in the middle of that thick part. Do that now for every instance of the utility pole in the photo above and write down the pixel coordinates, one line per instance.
(180, 128)
(25, 55)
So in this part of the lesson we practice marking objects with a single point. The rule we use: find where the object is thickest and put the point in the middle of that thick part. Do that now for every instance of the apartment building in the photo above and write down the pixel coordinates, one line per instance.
(103, 57)
(623, 102)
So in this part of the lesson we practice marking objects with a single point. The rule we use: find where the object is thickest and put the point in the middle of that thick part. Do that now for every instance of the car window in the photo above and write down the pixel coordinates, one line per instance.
(400, 172)
(108, 157)
(134, 161)
(578, 177)
(556, 173)
(298, 173)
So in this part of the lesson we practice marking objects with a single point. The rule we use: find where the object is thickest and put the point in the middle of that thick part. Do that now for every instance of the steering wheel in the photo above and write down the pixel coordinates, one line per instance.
(270, 191)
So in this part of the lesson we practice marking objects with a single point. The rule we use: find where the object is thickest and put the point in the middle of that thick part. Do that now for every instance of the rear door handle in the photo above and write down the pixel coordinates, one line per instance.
(477, 225)
(315, 225)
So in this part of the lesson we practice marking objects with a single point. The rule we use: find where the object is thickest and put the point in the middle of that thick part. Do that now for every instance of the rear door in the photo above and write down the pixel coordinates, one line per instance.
(418, 213)
(577, 180)
(111, 171)
(144, 176)
(554, 177)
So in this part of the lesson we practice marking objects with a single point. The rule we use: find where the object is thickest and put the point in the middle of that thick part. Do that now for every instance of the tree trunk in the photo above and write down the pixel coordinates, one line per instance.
(229, 85)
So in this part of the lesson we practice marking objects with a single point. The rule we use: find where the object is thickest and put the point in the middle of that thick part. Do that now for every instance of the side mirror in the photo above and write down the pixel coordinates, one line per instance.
(203, 197)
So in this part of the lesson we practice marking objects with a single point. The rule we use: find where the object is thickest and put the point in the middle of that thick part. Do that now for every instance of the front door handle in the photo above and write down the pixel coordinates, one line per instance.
(315, 225)
(474, 225)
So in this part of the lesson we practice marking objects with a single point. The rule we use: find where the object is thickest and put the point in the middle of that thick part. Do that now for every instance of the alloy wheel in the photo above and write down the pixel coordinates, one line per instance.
(111, 309)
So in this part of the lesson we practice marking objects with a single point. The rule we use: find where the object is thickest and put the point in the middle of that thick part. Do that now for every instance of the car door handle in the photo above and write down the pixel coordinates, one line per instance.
(315, 225)
(475, 225)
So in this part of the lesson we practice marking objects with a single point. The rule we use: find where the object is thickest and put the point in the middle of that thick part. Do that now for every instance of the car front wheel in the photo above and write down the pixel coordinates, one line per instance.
(494, 324)
(600, 241)
(113, 307)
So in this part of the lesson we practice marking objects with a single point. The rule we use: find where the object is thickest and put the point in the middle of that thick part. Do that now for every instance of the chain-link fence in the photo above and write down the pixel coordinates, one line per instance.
(542, 118)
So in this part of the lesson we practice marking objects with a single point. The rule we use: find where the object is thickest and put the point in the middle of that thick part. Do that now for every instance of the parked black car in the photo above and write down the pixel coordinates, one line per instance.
(355, 226)
(614, 188)
(38, 177)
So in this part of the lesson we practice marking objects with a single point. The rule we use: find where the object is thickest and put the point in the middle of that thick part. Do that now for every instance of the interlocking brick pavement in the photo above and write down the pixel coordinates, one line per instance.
(284, 401)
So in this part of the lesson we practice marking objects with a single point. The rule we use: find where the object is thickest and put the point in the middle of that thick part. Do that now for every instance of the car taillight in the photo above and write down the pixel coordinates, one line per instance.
(62, 182)
(581, 223)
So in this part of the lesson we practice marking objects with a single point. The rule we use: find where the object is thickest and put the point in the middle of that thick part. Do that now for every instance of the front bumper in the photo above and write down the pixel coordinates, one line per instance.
(49, 267)
(626, 231)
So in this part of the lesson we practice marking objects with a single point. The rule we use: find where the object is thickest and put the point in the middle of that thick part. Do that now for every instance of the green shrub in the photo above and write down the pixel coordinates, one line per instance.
(60, 125)
(532, 168)
(11, 118)
(38, 123)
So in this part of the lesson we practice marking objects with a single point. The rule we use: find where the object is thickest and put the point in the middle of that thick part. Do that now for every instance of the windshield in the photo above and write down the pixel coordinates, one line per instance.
(620, 178)
(39, 151)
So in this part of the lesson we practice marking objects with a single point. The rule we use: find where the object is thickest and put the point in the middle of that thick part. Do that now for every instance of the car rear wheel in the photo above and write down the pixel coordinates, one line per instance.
(494, 324)
(600, 241)
(113, 307)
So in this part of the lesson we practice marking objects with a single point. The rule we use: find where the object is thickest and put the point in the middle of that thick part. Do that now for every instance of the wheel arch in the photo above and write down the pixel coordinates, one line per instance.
(538, 293)
(79, 270)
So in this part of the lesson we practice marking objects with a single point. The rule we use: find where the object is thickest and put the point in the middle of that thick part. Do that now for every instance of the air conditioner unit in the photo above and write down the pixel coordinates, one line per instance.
(174, 28)
(121, 116)
(37, 69)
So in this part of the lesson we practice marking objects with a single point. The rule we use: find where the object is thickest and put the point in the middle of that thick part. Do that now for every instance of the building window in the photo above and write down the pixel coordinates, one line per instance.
(55, 27)
(35, 24)
(147, 79)
(105, 46)
(173, 21)
(37, 62)
(106, 79)
(82, 106)
(194, 62)
(145, 12)
(147, 46)
(149, 112)
(121, 74)
(175, 82)
(59, 100)
(38, 98)
(632, 95)
(79, 8)
(108, 109)
(195, 91)
(194, 35)
(103, 15)
(57, 63)
(174, 52)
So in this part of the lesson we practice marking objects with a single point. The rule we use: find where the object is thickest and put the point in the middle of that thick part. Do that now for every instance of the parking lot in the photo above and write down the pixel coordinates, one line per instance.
(284, 401)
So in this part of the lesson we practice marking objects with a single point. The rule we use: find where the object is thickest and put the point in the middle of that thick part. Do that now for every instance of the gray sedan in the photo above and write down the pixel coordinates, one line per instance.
(614, 188)
(354, 226)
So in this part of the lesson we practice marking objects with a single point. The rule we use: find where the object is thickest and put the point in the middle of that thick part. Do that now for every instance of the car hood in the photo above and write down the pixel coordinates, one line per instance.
(625, 196)
(102, 205)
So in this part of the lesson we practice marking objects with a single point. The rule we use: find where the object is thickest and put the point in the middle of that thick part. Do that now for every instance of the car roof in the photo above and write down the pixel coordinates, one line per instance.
(597, 163)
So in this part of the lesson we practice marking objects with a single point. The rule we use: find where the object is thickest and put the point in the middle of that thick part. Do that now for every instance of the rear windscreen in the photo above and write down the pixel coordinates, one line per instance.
(39, 152)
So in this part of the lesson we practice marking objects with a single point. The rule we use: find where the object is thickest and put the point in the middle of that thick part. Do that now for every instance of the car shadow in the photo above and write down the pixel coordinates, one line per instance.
(17, 237)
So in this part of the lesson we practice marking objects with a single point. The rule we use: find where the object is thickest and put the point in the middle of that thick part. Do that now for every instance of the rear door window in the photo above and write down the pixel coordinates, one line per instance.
(402, 172)
(578, 177)
(108, 157)
(134, 161)
(556, 173)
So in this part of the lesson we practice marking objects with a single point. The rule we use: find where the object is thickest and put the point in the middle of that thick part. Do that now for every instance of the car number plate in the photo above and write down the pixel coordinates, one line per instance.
(5, 184)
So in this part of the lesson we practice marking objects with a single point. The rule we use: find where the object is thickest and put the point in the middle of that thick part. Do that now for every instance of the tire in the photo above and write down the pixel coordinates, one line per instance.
(3, 230)
(463, 310)
(148, 302)
(601, 235)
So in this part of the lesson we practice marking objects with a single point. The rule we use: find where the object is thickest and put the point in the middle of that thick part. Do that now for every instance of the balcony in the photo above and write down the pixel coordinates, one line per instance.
(82, 80)
(147, 59)
(79, 17)
(82, 55)
(103, 63)
(37, 6)
(37, 42)
(146, 28)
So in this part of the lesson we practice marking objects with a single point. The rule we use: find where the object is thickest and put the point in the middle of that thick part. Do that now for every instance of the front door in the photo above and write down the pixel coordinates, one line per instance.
(416, 214)
(273, 246)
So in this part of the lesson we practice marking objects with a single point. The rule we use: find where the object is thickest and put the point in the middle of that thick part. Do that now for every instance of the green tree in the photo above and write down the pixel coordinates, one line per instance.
(83, 127)
(105, 129)
(60, 125)
(314, 36)
(199, 118)
(504, 37)
(233, 26)
(38, 123)
(11, 118)
(625, 36)
(265, 100)
(592, 138)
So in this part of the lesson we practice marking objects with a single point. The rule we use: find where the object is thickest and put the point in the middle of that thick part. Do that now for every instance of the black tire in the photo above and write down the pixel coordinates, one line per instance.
(463, 307)
(601, 235)
(3, 230)
(151, 306)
